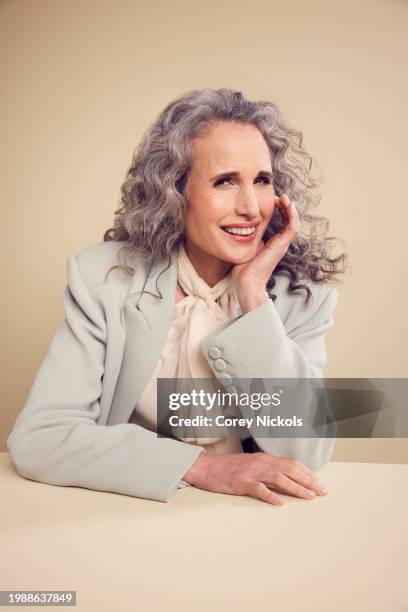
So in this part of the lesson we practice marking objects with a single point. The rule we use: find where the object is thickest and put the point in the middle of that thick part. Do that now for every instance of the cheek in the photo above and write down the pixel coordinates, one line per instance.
(199, 223)
(206, 208)
(197, 216)
(210, 211)
(267, 209)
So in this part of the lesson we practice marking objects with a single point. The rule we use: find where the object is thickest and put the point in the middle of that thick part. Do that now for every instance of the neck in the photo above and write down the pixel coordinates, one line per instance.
(208, 266)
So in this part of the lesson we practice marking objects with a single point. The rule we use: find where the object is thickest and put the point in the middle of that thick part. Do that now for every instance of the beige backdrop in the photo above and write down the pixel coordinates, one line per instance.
(83, 80)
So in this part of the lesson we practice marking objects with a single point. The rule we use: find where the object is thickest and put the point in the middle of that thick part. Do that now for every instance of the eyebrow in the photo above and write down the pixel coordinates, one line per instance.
(235, 174)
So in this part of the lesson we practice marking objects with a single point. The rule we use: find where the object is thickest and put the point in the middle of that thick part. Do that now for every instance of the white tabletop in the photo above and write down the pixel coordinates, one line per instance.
(346, 551)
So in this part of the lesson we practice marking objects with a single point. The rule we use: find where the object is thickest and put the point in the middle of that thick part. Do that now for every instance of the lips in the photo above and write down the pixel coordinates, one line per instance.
(239, 237)
(243, 225)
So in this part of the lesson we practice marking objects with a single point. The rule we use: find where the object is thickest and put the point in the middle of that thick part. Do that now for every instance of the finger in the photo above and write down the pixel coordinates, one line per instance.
(260, 491)
(286, 485)
(282, 211)
(285, 463)
(288, 461)
(281, 240)
(291, 215)
(306, 480)
(260, 247)
(293, 469)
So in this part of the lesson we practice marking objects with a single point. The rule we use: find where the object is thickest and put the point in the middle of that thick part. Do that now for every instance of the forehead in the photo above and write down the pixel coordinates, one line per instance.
(231, 146)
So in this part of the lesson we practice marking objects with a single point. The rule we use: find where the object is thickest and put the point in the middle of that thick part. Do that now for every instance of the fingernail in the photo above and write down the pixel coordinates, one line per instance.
(311, 493)
(323, 489)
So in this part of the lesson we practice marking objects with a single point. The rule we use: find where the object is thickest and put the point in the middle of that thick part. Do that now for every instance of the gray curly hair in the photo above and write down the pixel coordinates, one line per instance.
(150, 220)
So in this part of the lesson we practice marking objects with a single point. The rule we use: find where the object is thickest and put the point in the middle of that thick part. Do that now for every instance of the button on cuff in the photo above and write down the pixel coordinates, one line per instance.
(220, 365)
(214, 352)
(224, 376)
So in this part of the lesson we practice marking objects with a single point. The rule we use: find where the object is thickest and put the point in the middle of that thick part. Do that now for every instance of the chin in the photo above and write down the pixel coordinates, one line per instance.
(239, 258)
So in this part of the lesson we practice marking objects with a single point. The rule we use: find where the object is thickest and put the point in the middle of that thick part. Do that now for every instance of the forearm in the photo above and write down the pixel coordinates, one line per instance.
(73, 451)
(256, 345)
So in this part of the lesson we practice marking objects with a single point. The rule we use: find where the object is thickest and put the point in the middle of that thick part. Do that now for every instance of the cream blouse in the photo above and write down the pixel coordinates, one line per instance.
(202, 310)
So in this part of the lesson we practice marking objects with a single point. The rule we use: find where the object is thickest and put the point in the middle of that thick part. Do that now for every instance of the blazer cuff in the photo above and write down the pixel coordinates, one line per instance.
(191, 452)
(232, 350)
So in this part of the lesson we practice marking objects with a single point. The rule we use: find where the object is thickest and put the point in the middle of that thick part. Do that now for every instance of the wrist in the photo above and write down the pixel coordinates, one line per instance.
(252, 300)
(194, 475)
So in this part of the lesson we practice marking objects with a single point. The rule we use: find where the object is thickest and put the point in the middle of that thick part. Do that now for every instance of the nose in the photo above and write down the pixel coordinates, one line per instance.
(247, 202)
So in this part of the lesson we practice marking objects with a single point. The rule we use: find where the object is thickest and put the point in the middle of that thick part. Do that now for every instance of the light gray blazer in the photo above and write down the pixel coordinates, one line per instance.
(74, 430)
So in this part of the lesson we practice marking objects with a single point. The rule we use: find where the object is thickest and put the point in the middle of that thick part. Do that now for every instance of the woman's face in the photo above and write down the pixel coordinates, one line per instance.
(230, 184)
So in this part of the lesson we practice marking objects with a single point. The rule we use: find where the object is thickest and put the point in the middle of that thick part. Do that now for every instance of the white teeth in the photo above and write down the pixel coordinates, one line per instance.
(241, 231)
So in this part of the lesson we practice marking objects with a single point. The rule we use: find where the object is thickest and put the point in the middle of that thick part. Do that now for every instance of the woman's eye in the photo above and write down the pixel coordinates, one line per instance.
(264, 179)
(222, 181)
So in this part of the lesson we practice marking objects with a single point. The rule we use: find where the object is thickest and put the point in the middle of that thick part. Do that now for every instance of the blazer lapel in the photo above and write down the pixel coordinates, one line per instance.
(147, 320)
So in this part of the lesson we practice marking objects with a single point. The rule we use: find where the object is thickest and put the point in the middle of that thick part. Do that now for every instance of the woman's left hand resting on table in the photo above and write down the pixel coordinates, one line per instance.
(251, 278)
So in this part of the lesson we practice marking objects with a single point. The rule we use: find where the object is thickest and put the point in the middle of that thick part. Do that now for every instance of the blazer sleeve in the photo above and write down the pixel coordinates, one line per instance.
(56, 439)
(257, 345)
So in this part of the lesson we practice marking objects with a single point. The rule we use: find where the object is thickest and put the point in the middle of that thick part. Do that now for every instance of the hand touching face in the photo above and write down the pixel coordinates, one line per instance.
(251, 278)
(230, 198)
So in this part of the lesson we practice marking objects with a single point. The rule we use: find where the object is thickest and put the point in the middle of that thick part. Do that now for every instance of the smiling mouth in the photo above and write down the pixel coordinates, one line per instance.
(240, 231)
(240, 234)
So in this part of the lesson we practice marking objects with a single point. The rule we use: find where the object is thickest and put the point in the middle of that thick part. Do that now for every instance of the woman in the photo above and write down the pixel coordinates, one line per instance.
(210, 223)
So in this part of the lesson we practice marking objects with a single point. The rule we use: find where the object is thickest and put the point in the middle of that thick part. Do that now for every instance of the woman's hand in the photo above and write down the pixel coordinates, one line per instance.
(251, 278)
(251, 474)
